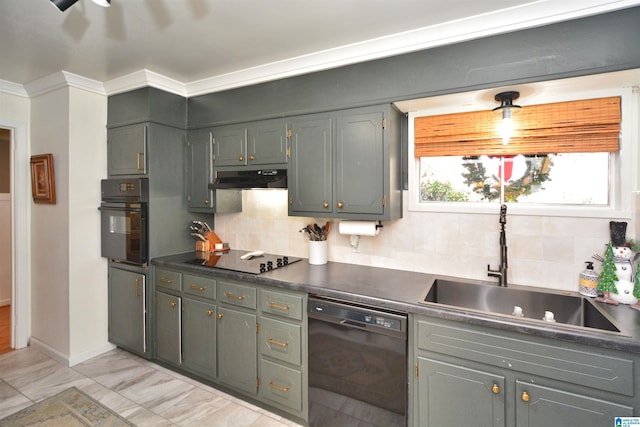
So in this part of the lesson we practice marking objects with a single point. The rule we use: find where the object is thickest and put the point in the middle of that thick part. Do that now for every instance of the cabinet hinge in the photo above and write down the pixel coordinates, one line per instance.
(291, 200)
(213, 139)
(188, 143)
(384, 123)
(288, 152)
(384, 201)
(258, 382)
(257, 328)
(188, 198)
(289, 134)
(416, 370)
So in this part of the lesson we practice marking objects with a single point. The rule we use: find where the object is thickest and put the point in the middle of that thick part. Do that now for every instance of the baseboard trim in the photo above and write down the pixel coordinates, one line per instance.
(66, 360)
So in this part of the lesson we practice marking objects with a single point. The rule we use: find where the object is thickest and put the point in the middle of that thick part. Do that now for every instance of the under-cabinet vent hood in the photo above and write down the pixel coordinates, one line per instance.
(264, 178)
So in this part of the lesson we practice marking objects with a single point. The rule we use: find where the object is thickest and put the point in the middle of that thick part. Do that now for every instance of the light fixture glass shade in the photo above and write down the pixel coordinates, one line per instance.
(103, 3)
(63, 5)
(506, 108)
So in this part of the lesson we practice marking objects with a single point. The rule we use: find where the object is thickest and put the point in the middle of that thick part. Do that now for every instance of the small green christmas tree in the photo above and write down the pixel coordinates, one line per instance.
(636, 285)
(608, 275)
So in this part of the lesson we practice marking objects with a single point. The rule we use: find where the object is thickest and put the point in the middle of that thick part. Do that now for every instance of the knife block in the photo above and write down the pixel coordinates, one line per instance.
(210, 244)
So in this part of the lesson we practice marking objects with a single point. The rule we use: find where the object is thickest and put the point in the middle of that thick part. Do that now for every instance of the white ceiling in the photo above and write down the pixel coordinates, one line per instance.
(207, 45)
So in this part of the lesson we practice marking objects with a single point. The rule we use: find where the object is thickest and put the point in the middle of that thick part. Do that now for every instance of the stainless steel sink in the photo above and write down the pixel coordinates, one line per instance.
(567, 308)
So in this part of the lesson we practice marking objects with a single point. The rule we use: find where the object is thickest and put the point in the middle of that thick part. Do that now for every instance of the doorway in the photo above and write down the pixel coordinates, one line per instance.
(6, 245)
(16, 135)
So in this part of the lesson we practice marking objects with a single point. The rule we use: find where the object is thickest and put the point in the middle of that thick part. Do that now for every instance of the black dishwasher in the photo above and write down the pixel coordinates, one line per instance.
(357, 365)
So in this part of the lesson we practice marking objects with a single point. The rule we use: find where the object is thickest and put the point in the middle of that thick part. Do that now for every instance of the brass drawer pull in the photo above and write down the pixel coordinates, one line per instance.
(277, 387)
(279, 343)
(198, 288)
(278, 306)
(230, 295)
(163, 280)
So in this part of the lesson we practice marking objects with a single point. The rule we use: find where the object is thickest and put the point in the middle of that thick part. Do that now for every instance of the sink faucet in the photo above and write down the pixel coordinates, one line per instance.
(501, 272)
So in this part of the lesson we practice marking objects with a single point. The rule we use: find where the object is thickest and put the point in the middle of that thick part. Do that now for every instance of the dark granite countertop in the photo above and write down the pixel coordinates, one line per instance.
(402, 291)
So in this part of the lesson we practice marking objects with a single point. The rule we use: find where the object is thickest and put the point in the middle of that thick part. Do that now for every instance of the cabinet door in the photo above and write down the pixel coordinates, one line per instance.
(538, 406)
(230, 146)
(127, 310)
(200, 170)
(267, 143)
(310, 178)
(168, 335)
(199, 337)
(127, 150)
(451, 395)
(237, 349)
(360, 167)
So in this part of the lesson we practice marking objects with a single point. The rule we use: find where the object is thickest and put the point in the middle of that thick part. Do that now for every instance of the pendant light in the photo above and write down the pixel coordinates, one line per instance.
(507, 108)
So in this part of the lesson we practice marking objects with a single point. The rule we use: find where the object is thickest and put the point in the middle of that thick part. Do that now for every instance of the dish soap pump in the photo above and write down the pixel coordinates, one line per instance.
(589, 281)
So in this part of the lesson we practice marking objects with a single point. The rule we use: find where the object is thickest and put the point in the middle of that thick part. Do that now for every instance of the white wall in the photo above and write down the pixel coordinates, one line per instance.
(87, 160)
(50, 225)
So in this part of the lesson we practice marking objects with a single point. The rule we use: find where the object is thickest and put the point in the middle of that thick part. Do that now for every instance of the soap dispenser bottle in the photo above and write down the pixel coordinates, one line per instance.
(589, 281)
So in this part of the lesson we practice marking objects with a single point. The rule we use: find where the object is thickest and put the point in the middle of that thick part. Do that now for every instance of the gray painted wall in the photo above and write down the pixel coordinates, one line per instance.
(597, 44)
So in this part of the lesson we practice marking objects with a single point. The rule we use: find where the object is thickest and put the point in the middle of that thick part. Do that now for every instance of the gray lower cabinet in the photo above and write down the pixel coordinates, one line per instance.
(127, 309)
(476, 376)
(245, 337)
(346, 164)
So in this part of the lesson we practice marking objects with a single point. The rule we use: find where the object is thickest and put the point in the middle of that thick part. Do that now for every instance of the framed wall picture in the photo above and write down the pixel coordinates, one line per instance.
(43, 186)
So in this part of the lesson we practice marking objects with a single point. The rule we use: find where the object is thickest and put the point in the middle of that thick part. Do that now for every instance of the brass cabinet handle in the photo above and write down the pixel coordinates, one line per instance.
(206, 201)
(325, 205)
(209, 312)
(252, 157)
(278, 306)
(220, 316)
(278, 343)
(340, 205)
(137, 290)
(495, 389)
(198, 288)
(276, 387)
(230, 295)
(241, 158)
(163, 280)
(173, 304)
(139, 163)
(525, 396)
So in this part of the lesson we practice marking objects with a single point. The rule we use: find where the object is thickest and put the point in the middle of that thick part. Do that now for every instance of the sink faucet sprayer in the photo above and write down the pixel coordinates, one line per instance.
(501, 272)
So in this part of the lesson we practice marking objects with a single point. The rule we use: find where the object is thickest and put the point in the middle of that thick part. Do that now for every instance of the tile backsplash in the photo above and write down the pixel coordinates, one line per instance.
(546, 252)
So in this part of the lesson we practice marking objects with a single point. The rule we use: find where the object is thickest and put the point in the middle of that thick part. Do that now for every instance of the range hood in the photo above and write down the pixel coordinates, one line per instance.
(263, 178)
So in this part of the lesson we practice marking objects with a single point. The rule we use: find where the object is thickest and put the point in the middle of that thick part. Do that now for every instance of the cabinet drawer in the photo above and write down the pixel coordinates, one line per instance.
(571, 363)
(198, 285)
(281, 385)
(168, 279)
(281, 340)
(236, 294)
(282, 304)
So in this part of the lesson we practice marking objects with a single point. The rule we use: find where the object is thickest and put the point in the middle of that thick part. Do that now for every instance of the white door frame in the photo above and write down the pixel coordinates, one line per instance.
(19, 232)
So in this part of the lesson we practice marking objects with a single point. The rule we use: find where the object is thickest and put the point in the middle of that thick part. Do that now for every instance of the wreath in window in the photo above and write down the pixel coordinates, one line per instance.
(536, 173)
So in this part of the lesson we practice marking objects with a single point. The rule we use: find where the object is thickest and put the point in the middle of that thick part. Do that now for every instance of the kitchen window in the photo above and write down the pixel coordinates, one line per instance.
(565, 158)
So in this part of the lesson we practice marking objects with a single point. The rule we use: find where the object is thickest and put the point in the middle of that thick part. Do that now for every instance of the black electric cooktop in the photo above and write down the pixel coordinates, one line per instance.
(231, 260)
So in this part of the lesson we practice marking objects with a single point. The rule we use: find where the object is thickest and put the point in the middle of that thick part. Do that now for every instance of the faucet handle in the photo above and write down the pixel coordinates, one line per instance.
(503, 214)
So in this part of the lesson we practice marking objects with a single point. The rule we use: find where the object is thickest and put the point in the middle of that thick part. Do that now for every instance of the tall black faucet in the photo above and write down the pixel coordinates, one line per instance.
(501, 272)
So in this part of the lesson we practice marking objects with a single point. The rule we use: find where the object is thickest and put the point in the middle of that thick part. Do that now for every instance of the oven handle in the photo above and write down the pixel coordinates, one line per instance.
(122, 209)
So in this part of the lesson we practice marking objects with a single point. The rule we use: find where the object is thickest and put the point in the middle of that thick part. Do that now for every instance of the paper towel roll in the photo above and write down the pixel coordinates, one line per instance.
(358, 228)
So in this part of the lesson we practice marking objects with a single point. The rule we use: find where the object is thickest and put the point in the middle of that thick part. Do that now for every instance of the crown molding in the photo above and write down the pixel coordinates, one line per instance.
(11, 88)
(142, 78)
(62, 79)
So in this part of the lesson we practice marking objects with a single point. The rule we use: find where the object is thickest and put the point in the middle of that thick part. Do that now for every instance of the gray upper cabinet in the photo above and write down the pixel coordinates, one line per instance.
(230, 145)
(127, 150)
(147, 104)
(200, 170)
(347, 164)
(310, 178)
(253, 145)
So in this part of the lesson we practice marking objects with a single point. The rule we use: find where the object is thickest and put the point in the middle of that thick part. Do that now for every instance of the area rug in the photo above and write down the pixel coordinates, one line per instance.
(70, 408)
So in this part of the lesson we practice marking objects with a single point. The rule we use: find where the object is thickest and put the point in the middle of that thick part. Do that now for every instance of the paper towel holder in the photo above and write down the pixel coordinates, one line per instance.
(354, 239)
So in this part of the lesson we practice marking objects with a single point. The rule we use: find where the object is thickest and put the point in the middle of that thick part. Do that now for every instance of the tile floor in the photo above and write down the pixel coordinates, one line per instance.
(137, 389)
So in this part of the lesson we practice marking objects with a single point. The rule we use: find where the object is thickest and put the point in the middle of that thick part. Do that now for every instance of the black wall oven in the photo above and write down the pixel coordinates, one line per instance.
(124, 210)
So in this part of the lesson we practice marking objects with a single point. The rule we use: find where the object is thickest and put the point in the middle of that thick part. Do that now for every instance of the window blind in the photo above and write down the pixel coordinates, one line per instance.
(583, 126)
